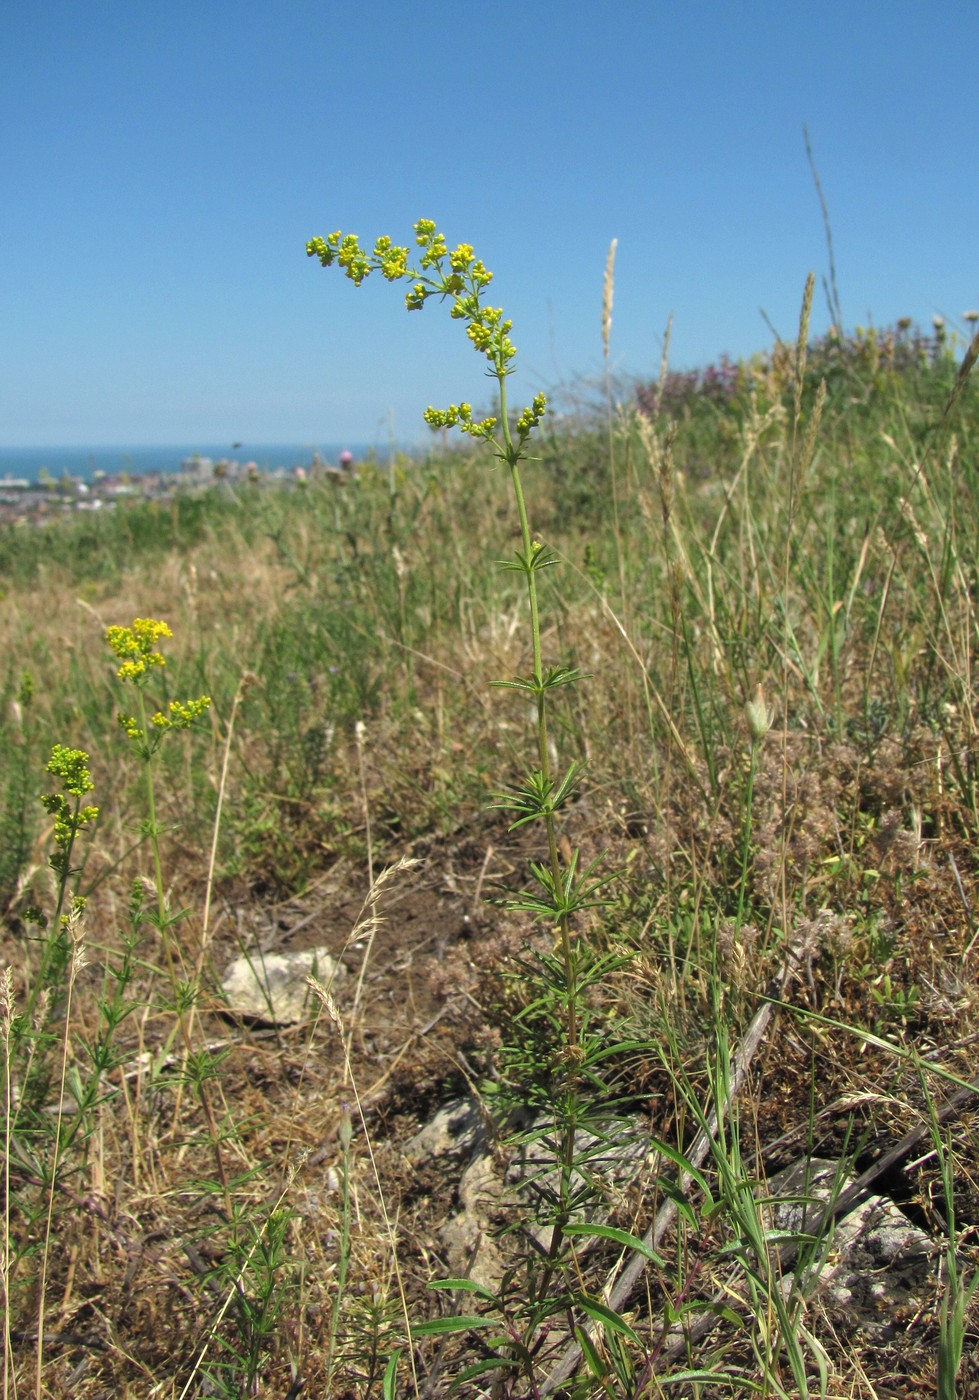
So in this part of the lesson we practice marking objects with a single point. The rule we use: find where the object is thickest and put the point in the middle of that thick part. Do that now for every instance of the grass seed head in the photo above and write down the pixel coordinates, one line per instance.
(759, 716)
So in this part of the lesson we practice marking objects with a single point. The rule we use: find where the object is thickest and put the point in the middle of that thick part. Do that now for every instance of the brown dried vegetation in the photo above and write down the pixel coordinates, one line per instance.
(371, 602)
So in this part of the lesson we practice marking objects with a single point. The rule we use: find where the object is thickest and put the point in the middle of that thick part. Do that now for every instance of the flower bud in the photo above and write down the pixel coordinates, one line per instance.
(758, 716)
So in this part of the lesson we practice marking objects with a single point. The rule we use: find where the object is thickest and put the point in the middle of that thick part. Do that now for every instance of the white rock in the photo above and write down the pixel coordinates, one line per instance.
(271, 987)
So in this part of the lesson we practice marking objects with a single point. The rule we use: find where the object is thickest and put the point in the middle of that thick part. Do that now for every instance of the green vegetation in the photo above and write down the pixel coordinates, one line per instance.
(689, 790)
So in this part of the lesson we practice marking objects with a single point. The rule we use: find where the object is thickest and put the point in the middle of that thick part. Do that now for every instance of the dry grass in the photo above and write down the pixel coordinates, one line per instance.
(372, 605)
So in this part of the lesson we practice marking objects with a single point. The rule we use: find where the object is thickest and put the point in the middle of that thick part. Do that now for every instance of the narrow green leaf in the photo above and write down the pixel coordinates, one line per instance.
(520, 683)
(677, 1158)
(482, 1368)
(715, 1378)
(391, 1375)
(463, 1323)
(620, 1047)
(598, 1312)
(464, 1285)
(622, 1237)
(590, 1354)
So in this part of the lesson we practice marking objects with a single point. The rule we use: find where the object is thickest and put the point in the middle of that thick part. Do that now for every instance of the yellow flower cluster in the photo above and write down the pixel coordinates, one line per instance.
(461, 416)
(463, 280)
(182, 714)
(130, 727)
(135, 645)
(531, 416)
(71, 766)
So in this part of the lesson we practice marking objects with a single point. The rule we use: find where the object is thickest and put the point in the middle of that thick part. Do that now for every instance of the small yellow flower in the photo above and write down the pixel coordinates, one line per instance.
(182, 713)
(461, 257)
(71, 766)
(130, 727)
(135, 646)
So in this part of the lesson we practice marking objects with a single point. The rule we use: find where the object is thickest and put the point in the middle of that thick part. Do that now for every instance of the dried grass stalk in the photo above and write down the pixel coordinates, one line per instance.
(607, 290)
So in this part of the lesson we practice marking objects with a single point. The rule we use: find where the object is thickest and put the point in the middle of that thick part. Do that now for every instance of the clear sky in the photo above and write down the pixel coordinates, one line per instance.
(162, 166)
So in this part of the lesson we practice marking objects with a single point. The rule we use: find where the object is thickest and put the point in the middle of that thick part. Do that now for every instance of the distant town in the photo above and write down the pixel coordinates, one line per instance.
(49, 497)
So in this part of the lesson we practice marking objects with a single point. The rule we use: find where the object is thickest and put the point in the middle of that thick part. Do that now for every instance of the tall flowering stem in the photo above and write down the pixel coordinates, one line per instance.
(561, 889)
(71, 814)
(136, 648)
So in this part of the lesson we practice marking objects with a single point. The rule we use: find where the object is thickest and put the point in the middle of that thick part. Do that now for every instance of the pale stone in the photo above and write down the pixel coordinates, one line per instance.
(271, 987)
(869, 1262)
(488, 1187)
(456, 1130)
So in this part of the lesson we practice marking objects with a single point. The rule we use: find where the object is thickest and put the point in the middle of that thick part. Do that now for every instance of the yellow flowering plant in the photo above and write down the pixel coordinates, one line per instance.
(70, 815)
(136, 648)
(458, 276)
(548, 1064)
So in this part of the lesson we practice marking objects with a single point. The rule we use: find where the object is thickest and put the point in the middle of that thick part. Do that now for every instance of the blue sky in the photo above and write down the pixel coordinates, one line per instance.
(163, 165)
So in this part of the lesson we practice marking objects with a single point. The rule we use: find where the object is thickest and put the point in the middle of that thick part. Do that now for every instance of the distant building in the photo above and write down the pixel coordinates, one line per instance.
(201, 467)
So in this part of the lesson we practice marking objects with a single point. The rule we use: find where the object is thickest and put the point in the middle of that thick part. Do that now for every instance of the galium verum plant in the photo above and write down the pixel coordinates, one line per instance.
(46, 1057)
(561, 889)
(458, 276)
(44, 1008)
(136, 648)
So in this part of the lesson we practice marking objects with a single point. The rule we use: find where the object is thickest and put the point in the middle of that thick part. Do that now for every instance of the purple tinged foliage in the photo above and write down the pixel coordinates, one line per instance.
(903, 349)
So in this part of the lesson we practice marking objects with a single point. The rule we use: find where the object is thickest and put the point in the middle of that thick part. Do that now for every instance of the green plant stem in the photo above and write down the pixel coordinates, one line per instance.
(73, 966)
(51, 944)
(513, 458)
(154, 832)
(746, 841)
(5, 1027)
(569, 1113)
(163, 923)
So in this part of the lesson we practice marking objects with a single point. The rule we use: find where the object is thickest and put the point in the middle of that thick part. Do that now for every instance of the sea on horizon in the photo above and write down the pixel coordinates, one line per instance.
(83, 462)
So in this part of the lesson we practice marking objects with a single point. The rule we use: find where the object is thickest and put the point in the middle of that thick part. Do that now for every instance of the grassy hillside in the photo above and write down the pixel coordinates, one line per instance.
(767, 575)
